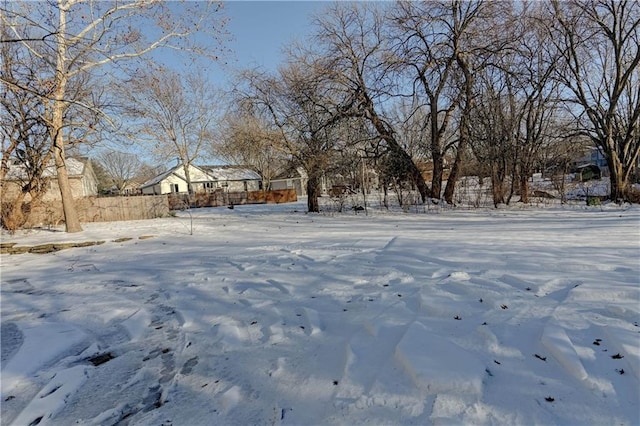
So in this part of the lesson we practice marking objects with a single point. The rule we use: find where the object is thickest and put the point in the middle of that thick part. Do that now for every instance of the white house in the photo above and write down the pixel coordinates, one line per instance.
(174, 181)
(203, 179)
(82, 179)
(235, 178)
(292, 178)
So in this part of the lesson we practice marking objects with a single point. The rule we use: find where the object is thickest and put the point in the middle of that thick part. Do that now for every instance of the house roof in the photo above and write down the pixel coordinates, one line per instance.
(160, 178)
(75, 168)
(293, 172)
(217, 173)
(230, 173)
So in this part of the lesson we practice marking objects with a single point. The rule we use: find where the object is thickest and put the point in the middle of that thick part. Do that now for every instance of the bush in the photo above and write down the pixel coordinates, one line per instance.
(593, 201)
(633, 195)
(13, 216)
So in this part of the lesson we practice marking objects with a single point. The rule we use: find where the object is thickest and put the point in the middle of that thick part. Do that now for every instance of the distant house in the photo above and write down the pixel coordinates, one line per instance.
(203, 179)
(591, 156)
(132, 187)
(82, 179)
(587, 172)
(174, 181)
(292, 178)
(235, 178)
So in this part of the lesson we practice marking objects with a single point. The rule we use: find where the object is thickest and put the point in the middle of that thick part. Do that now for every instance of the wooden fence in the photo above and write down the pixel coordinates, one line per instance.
(94, 209)
(221, 198)
(110, 209)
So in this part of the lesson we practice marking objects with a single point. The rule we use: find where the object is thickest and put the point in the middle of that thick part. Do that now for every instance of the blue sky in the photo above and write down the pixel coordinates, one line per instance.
(260, 29)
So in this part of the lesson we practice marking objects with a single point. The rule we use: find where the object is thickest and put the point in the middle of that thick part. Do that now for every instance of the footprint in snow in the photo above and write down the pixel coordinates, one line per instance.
(187, 368)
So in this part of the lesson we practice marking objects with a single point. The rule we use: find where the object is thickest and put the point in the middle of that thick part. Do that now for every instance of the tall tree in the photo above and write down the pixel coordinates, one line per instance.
(440, 46)
(425, 55)
(600, 45)
(176, 114)
(249, 140)
(474, 32)
(297, 104)
(531, 67)
(75, 39)
(120, 167)
(493, 121)
(516, 99)
(351, 39)
(23, 134)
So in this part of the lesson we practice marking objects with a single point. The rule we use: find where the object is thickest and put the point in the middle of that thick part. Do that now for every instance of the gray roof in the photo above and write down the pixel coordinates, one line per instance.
(231, 173)
(159, 178)
(75, 168)
(217, 173)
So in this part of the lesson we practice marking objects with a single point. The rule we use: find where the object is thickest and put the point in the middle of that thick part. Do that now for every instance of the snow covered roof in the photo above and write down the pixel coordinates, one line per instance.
(216, 173)
(230, 173)
(293, 173)
(159, 178)
(75, 168)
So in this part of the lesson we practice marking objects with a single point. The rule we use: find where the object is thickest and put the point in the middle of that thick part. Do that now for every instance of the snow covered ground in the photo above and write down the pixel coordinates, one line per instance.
(267, 315)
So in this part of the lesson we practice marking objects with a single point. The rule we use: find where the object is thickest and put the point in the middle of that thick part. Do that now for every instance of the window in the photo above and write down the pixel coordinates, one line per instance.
(174, 187)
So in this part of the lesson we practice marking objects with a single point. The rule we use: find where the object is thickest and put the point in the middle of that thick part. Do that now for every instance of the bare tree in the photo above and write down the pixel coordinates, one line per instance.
(249, 140)
(440, 47)
(24, 137)
(121, 167)
(475, 32)
(425, 54)
(600, 45)
(351, 39)
(74, 39)
(295, 101)
(531, 67)
(176, 114)
(147, 172)
(515, 102)
(493, 122)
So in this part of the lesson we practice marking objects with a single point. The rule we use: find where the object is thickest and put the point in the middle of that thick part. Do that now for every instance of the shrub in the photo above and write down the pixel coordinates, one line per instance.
(593, 201)
(633, 195)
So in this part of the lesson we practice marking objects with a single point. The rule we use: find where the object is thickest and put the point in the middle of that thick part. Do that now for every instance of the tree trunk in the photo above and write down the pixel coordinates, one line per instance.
(524, 187)
(438, 170)
(187, 176)
(616, 178)
(436, 152)
(464, 128)
(387, 135)
(454, 175)
(71, 220)
(385, 189)
(497, 186)
(313, 192)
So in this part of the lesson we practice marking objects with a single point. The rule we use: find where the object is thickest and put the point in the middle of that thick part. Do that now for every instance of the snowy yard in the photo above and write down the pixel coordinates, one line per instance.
(267, 315)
